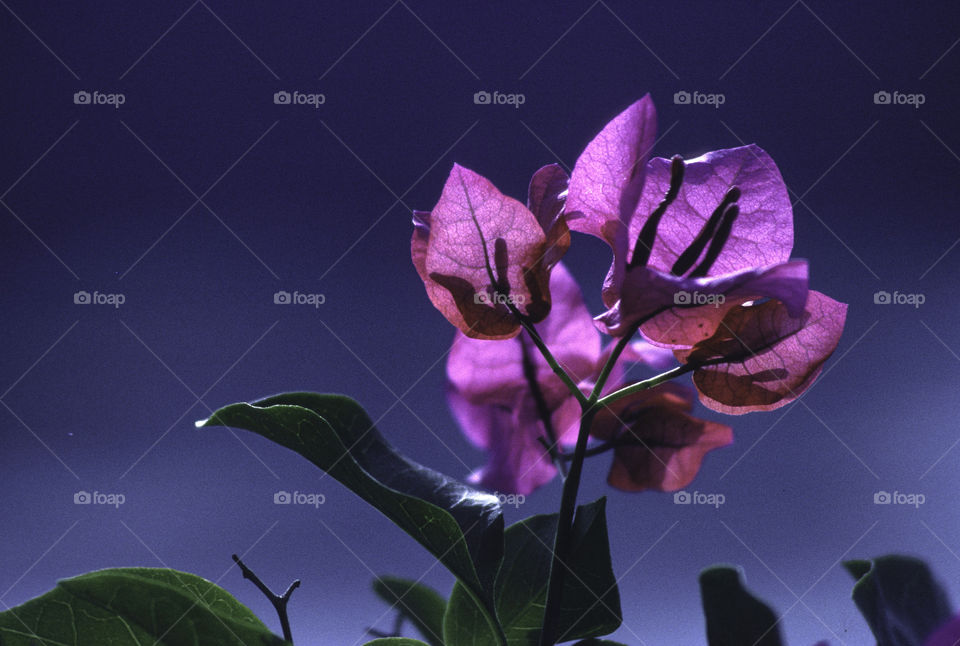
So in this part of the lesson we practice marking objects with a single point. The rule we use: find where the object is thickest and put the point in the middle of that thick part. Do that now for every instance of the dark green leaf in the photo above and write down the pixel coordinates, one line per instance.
(464, 623)
(899, 598)
(134, 606)
(734, 616)
(421, 605)
(461, 526)
(858, 567)
(395, 641)
(591, 602)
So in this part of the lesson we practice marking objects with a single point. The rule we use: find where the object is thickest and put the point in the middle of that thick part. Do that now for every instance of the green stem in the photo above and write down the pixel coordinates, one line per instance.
(548, 356)
(561, 543)
(571, 486)
(611, 361)
(646, 383)
(596, 450)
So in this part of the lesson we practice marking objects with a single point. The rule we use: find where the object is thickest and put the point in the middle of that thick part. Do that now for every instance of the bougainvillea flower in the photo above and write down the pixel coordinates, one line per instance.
(484, 256)
(765, 356)
(694, 244)
(658, 444)
(719, 225)
(501, 392)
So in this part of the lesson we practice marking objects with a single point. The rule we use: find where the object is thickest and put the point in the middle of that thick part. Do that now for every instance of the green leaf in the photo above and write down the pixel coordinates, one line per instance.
(421, 605)
(459, 525)
(134, 606)
(465, 624)
(590, 604)
(734, 616)
(899, 598)
(395, 641)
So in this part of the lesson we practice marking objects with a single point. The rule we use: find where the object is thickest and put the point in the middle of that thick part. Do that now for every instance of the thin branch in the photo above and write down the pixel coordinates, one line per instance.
(279, 601)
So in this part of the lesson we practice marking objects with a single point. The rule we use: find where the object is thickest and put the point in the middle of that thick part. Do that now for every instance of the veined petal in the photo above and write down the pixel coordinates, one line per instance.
(767, 357)
(763, 232)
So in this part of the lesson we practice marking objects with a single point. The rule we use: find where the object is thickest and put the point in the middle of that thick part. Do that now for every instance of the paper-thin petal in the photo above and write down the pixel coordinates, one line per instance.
(545, 200)
(683, 311)
(517, 462)
(483, 246)
(769, 357)
(763, 231)
(494, 404)
(491, 371)
(668, 444)
(607, 182)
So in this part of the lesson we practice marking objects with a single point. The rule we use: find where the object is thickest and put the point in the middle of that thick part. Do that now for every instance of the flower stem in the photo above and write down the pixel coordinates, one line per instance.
(548, 356)
(646, 383)
(611, 361)
(568, 502)
(561, 544)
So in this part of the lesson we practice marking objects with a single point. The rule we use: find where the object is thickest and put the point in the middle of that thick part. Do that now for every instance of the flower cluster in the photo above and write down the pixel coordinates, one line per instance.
(701, 273)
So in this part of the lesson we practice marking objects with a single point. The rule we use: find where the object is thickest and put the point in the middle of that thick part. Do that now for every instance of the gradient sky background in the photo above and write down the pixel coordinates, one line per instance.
(318, 200)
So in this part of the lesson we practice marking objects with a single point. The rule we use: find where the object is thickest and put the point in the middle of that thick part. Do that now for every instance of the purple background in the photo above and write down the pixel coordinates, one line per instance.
(103, 399)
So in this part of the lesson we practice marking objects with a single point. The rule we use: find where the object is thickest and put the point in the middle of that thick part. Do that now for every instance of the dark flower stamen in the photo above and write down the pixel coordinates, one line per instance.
(502, 263)
(719, 240)
(641, 251)
(690, 255)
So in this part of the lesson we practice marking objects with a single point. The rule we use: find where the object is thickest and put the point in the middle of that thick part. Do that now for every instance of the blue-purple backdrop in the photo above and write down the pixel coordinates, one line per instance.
(199, 197)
